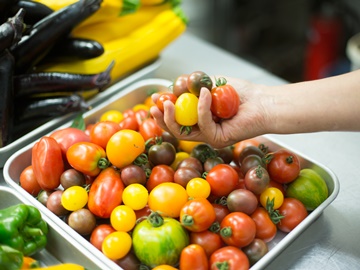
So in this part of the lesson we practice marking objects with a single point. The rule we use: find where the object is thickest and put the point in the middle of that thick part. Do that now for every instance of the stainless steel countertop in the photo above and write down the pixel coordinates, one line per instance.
(333, 240)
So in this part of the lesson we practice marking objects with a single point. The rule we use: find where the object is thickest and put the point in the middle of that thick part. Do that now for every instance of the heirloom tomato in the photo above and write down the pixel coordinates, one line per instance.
(256, 250)
(198, 80)
(112, 115)
(159, 240)
(150, 129)
(187, 146)
(74, 198)
(197, 215)
(88, 158)
(198, 188)
(180, 85)
(123, 218)
(99, 233)
(163, 97)
(28, 181)
(135, 196)
(68, 136)
(242, 200)
(209, 240)
(230, 258)
(168, 199)
(194, 257)
(191, 162)
(272, 195)
(284, 166)
(203, 151)
(72, 177)
(186, 113)
(237, 229)
(239, 147)
(225, 100)
(293, 212)
(223, 179)
(105, 192)
(129, 122)
(257, 179)
(265, 228)
(179, 156)
(124, 147)
(161, 153)
(47, 162)
(82, 221)
(132, 174)
(102, 131)
(116, 245)
(221, 211)
(159, 174)
(183, 175)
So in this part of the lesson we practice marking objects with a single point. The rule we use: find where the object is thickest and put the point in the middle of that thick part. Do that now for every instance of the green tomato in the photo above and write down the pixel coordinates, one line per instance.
(159, 240)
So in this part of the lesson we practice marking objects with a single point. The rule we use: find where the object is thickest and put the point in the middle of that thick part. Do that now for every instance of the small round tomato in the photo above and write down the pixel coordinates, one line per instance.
(168, 199)
(193, 256)
(135, 196)
(74, 198)
(256, 250)
(150, 129)
(123, 218)
(265, 228)
(179, 156)
(198, 80)
(99, 233)
(293, 212)
(197, 215)
(162, 153)
(112, 115)
(198, 188)
(164, 267)
(163, 97)
(242, 200)
(257, 179)
(221, 211)
(239, 147)
(273, 196)
(187, 146)
(223, 179)
(159, 174)
(129, 122)
(186, 113)
(225, 100)
(210, 241)
(284, 166)
(230, 258)
(237, 229)
(28, 181)
(124, 147)
(180, 85)
(116, 245)
(102, 131)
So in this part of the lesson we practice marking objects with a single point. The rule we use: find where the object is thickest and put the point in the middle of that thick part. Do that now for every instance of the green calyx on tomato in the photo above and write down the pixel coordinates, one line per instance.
(275, 215)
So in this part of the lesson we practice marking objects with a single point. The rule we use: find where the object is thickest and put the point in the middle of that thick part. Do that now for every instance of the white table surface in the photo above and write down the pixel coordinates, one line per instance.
(333, 240)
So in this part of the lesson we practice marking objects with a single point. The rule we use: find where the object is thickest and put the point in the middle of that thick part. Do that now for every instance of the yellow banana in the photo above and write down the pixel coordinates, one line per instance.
(115, 28)
(132, 51)
(151, 2)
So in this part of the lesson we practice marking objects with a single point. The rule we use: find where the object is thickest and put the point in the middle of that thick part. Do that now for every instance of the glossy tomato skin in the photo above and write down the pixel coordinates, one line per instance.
(28, 181)
(180, 85)
(294, 212)
(183, 175)
(284, 166)
(193, 257)
(47, 162)
(132, 173)
(242, 200)
(105, 192)
(223, 179)
(233, 257)
(150, 129)
(129, 122)
(198, 80)
(159, 174)
(186, 113)
(161, 243)
(257, 179)
(265, 229)
(162, 153)
(237, 229)
(163, 97)
(225, 101)
(239, 147)
(102, 131)
(68, 136)
(86, 157)
(197, 215)
(221, 211)
(210, 241)
(256, 250)
(99, 233)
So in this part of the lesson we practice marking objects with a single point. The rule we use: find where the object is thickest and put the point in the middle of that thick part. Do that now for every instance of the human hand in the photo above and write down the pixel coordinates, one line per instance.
(250, 120)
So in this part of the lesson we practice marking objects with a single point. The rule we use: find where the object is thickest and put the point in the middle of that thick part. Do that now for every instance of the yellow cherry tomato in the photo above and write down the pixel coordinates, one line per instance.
(168, 199)
(124, 147)
(272, 194)
(179, 156)
(164, 267)
(198, 188)
(74, 198)
(187, 146)
(112, 115)
(116, 245)
(140, 106)
(186, 113)
(123, 218)
(135, 196)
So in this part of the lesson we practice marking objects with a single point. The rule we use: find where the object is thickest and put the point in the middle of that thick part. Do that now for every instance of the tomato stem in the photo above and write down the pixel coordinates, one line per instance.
(226, 232)
(185, 129)
(103, 163)
(222, 265)
(215, 227)
(289, 159)
(187, 220)
(155, 219)
(220, 81)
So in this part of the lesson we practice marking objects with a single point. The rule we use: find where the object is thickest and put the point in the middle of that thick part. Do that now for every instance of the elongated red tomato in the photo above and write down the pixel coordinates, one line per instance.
(193, 257)
(149, 128)
(225, 100)
(265, 228)
(105, 192)
(47, 163)
(88, 158)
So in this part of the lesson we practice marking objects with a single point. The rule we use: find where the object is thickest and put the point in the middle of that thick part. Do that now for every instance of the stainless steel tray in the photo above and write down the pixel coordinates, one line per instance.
(143, 73)
(58, 242)
(130, 96)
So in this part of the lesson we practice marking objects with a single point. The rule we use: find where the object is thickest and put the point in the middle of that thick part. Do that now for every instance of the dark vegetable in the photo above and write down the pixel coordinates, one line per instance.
(5, 6)
(7, 63)
(47, 82)
(75, 48)
(22, 228)
(48, 31)
(35, 11)
(10, 258)
(11, 30)
(29, 108)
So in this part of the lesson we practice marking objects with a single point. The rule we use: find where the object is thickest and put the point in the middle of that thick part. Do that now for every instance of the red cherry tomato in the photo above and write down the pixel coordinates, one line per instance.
(99, 233)
(284, 166)
(163, 97)
(265, 228)
(230, 258)
(294, 212)
(102, 132)
(149, 129)
(223, 179)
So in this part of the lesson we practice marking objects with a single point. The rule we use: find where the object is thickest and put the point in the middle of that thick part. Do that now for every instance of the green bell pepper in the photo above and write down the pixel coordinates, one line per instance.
(10, 258)
(22, 228)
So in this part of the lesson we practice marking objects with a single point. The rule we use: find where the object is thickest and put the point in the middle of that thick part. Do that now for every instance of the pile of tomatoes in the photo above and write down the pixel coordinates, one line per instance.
(142, 196)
